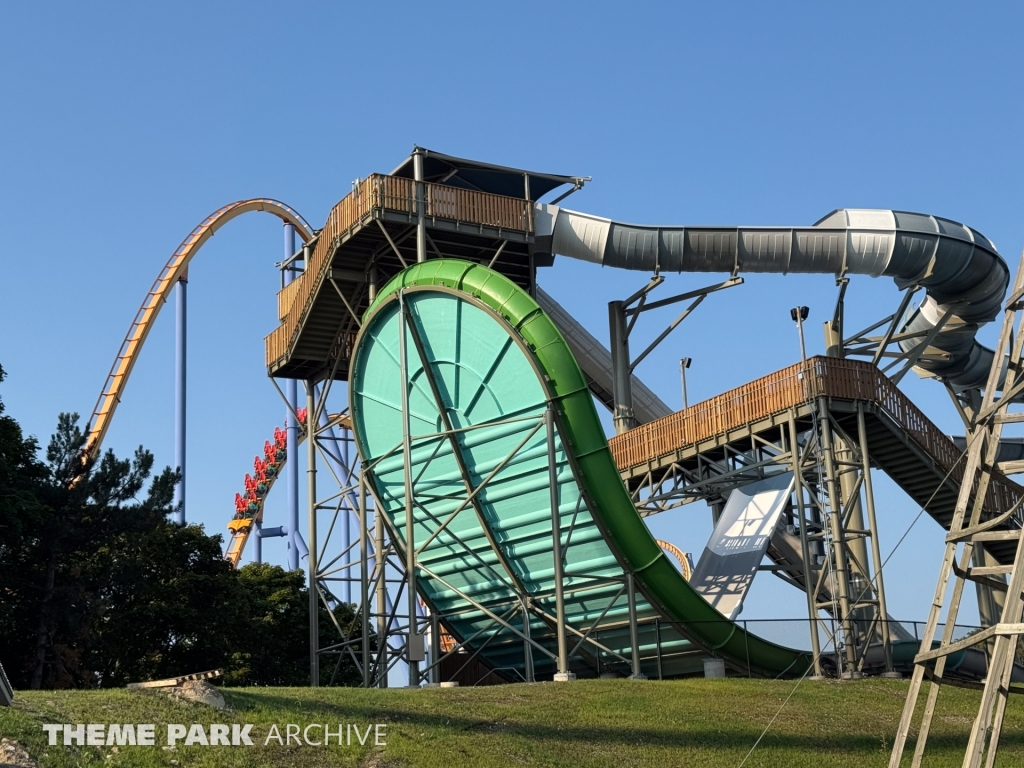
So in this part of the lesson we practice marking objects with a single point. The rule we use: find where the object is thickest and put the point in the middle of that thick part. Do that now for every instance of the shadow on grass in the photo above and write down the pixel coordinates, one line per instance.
(731, 736)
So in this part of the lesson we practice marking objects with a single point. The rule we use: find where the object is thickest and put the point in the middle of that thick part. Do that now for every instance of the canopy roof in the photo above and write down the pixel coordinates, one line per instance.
(485, 177)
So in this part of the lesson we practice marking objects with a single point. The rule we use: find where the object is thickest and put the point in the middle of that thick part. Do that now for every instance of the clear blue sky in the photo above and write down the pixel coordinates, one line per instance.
(123, 125)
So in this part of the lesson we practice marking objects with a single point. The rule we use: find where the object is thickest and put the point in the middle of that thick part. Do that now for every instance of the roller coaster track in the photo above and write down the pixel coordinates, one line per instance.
(249, 506)
(685, 566)
(173, 270)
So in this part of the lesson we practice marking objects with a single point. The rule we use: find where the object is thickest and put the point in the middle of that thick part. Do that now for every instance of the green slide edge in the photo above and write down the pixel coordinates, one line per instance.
(613, 510)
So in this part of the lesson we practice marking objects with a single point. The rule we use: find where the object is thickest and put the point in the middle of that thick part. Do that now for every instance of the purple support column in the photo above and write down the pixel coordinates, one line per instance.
(345, 516)
(291, 468)
(180, 329)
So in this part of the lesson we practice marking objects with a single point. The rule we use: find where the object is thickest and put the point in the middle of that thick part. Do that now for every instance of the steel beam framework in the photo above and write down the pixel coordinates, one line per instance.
(821, 526)
(392, 615)
(968, 533)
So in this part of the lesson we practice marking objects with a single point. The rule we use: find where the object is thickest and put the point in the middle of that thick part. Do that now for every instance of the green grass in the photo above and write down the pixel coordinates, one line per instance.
(615, 723)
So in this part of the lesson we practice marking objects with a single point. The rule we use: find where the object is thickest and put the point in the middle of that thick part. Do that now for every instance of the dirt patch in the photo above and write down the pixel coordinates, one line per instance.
(13, 755)
(376, 760)
(198, 691)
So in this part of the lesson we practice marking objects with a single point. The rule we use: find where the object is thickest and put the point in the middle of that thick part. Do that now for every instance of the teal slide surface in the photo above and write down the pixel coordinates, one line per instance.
(482, 363)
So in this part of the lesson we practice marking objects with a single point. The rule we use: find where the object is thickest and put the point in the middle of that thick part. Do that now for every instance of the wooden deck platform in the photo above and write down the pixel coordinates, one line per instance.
(373, 228)
(902, 441)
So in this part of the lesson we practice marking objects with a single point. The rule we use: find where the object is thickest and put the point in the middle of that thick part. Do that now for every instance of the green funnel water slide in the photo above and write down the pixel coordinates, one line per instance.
(483, 348)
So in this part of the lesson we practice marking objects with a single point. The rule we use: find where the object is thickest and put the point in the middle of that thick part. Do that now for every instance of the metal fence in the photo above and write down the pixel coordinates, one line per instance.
(795, 633)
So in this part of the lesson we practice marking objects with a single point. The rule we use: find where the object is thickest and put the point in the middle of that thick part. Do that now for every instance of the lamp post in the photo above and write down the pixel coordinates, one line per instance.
(684, 363)
(799, 314)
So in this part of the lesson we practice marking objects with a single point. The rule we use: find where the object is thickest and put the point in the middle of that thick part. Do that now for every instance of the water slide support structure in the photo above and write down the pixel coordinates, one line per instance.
(588, 640)
(848, 551)
(813, 617)
(622, 317)
(844, 450)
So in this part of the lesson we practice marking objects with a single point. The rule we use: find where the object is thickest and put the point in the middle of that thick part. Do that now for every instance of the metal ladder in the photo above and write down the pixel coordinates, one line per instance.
(970, 529)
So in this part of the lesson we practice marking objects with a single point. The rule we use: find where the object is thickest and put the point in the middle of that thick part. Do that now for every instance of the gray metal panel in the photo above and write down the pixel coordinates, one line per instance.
(727, 567)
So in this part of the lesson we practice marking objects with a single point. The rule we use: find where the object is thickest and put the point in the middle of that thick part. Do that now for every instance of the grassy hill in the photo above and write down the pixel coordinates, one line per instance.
(614, 723)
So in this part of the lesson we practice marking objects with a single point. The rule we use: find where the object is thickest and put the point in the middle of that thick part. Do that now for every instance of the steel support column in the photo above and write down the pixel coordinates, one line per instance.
(805, 550)
(314, 608)
(180, 348)
(421, 204)
(414, 645)
(622, 386)
(876, 550)
(380, 576)
(291, 467)
(527, 644)
(838, 544)
(364, 583)
(346, 523)
(435, 649)
(634, 631)
(562, 674)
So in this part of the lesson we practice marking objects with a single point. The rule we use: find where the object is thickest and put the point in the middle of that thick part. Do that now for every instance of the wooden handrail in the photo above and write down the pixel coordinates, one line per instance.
(286, 296)
(777, 392)
(390, 193)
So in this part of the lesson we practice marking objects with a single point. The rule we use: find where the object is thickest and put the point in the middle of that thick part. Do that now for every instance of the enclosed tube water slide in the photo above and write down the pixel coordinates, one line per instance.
(460, 462)
(959, 268)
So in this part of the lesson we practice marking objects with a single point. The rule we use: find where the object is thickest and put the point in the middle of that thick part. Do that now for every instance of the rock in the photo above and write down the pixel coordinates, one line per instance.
(13, 755)
(198, 691)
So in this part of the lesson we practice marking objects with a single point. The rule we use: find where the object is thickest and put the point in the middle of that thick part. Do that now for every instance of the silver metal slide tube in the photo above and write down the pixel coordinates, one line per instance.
(957, 266)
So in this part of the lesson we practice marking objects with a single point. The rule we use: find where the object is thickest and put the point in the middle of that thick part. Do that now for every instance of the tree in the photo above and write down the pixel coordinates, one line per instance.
(101, 587)
(273, 646)
(98, 588)
(169, 604)
(20, 513)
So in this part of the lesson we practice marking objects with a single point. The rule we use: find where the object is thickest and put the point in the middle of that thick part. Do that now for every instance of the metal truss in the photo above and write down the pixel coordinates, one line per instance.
(969, 532)
(885, 341)
(822, 546)
(622, 316)
(392, 616)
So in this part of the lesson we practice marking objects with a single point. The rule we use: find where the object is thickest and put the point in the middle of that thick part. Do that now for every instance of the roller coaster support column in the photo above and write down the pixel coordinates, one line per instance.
(180, 344)
(314, 612)
(421, 204)
(563, 674)
(291, 466)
